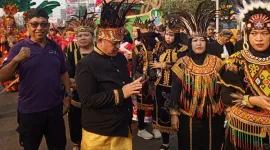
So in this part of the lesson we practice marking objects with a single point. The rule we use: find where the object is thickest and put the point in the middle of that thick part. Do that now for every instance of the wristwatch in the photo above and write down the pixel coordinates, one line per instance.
(68, 94)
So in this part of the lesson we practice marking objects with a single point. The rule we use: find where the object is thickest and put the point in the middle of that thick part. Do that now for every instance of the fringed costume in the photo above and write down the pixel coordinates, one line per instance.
(195, 93)
(167, 54)
(141, 57)
(246, 74)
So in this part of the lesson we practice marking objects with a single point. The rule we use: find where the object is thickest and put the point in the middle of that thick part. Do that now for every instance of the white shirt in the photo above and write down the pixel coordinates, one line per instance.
(225, 52)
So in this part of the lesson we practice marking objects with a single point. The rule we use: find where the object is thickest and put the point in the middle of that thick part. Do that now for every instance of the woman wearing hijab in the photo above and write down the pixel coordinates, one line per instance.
(141, 58)
(245, 83)
(165, 54)
(196, 109)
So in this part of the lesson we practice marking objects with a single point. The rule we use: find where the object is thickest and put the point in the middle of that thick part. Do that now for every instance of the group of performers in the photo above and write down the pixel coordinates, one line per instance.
(191, 84)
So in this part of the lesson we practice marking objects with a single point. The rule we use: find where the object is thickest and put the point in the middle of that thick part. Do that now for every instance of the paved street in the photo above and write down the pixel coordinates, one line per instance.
(9, 137)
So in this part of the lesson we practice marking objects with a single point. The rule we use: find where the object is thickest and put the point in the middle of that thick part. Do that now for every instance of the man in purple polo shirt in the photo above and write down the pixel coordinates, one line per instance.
(41, 67)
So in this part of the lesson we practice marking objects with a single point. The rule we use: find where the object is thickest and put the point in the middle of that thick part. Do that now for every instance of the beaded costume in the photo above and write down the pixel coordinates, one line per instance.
(195, 92)
(247, 73)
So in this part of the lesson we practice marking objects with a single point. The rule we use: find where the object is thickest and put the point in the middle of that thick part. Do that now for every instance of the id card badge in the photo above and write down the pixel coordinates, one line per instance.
(223, 56)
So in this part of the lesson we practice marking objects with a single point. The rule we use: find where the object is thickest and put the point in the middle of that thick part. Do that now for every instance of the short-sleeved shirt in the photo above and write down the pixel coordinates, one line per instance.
(39, 85)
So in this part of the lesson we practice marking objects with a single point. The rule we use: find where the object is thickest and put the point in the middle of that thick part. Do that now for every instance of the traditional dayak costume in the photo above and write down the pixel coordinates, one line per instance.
(195, 91)
(142, 55)
(100, 79)
(74, 55)
(167, 55)
(246, 74)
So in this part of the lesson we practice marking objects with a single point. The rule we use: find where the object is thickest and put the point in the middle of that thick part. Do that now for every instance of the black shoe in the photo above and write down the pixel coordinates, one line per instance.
(163, 147)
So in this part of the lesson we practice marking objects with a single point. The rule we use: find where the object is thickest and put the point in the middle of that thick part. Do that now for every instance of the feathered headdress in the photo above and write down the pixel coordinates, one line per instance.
(255, 14)
(171, 25)
(144, 26)
(84, 23)
(195, 25)
(112, 20)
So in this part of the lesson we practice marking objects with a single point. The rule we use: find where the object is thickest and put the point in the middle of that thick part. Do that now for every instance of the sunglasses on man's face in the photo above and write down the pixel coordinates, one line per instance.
(115, 44)
(36, 24)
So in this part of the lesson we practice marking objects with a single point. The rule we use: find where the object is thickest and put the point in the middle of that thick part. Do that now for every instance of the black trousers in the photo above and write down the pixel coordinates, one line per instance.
(140, 115)
(75, 125)
(50, 123)
(130, 116)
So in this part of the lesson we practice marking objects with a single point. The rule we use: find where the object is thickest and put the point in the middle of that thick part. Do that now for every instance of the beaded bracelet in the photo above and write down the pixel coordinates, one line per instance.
(174, 112)
(246, 102)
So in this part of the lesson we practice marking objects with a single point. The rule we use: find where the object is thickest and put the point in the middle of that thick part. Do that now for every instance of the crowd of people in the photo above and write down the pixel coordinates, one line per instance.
(210, 88)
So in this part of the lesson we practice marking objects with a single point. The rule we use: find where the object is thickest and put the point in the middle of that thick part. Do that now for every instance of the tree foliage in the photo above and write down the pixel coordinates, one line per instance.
(169, 6)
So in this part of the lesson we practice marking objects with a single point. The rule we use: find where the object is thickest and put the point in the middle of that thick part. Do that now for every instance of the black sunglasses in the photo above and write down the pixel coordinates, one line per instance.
(42, 25)
(115, 44)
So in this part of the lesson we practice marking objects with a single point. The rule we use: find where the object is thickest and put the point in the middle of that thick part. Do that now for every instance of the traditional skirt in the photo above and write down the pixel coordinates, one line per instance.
(147, 99)
(200, 134)
(161, 114)
(247, 129)
(92, 141)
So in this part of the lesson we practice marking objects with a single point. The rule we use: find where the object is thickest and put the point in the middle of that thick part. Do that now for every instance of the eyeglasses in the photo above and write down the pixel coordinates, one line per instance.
(115, 44)
(36, 24)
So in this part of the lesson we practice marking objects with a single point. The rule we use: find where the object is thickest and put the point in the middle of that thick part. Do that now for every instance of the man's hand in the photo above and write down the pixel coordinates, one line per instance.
(128, 55)
(132, 88)
(23, 54)
(260, 101)
(72, 82)
(175, 121)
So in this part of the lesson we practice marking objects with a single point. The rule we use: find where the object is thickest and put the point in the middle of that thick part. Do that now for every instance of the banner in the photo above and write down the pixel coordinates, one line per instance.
(72, 10)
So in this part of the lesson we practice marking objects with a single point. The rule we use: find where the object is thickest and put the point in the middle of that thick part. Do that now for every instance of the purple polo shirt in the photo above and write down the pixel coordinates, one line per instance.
(39, 86)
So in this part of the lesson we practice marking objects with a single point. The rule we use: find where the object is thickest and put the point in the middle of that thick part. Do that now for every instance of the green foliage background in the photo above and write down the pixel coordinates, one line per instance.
(169, 6)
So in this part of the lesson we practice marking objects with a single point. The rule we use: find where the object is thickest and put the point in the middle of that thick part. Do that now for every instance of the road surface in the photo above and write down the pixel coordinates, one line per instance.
(9, 137)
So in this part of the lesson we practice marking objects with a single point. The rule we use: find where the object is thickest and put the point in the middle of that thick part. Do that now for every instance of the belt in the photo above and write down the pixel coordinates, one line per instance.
(75, 103)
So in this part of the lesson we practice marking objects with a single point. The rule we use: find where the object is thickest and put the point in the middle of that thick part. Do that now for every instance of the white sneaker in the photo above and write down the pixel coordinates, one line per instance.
(156, 133)
(144, 134)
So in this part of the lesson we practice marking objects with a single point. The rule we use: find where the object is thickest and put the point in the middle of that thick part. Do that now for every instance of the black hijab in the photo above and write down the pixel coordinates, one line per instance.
(261, 54)
(148, 39)
(197, 58)
(173, 45)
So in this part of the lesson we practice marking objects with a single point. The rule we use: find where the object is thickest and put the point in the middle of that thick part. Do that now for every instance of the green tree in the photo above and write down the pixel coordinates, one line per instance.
(169, 6)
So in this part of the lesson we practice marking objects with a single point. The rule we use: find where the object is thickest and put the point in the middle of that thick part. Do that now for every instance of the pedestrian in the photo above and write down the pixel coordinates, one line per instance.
(75, 51)
(41, 66)
(245, 83)
(196, 108)
(142, 56)
(166, 52)
(103, 85)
